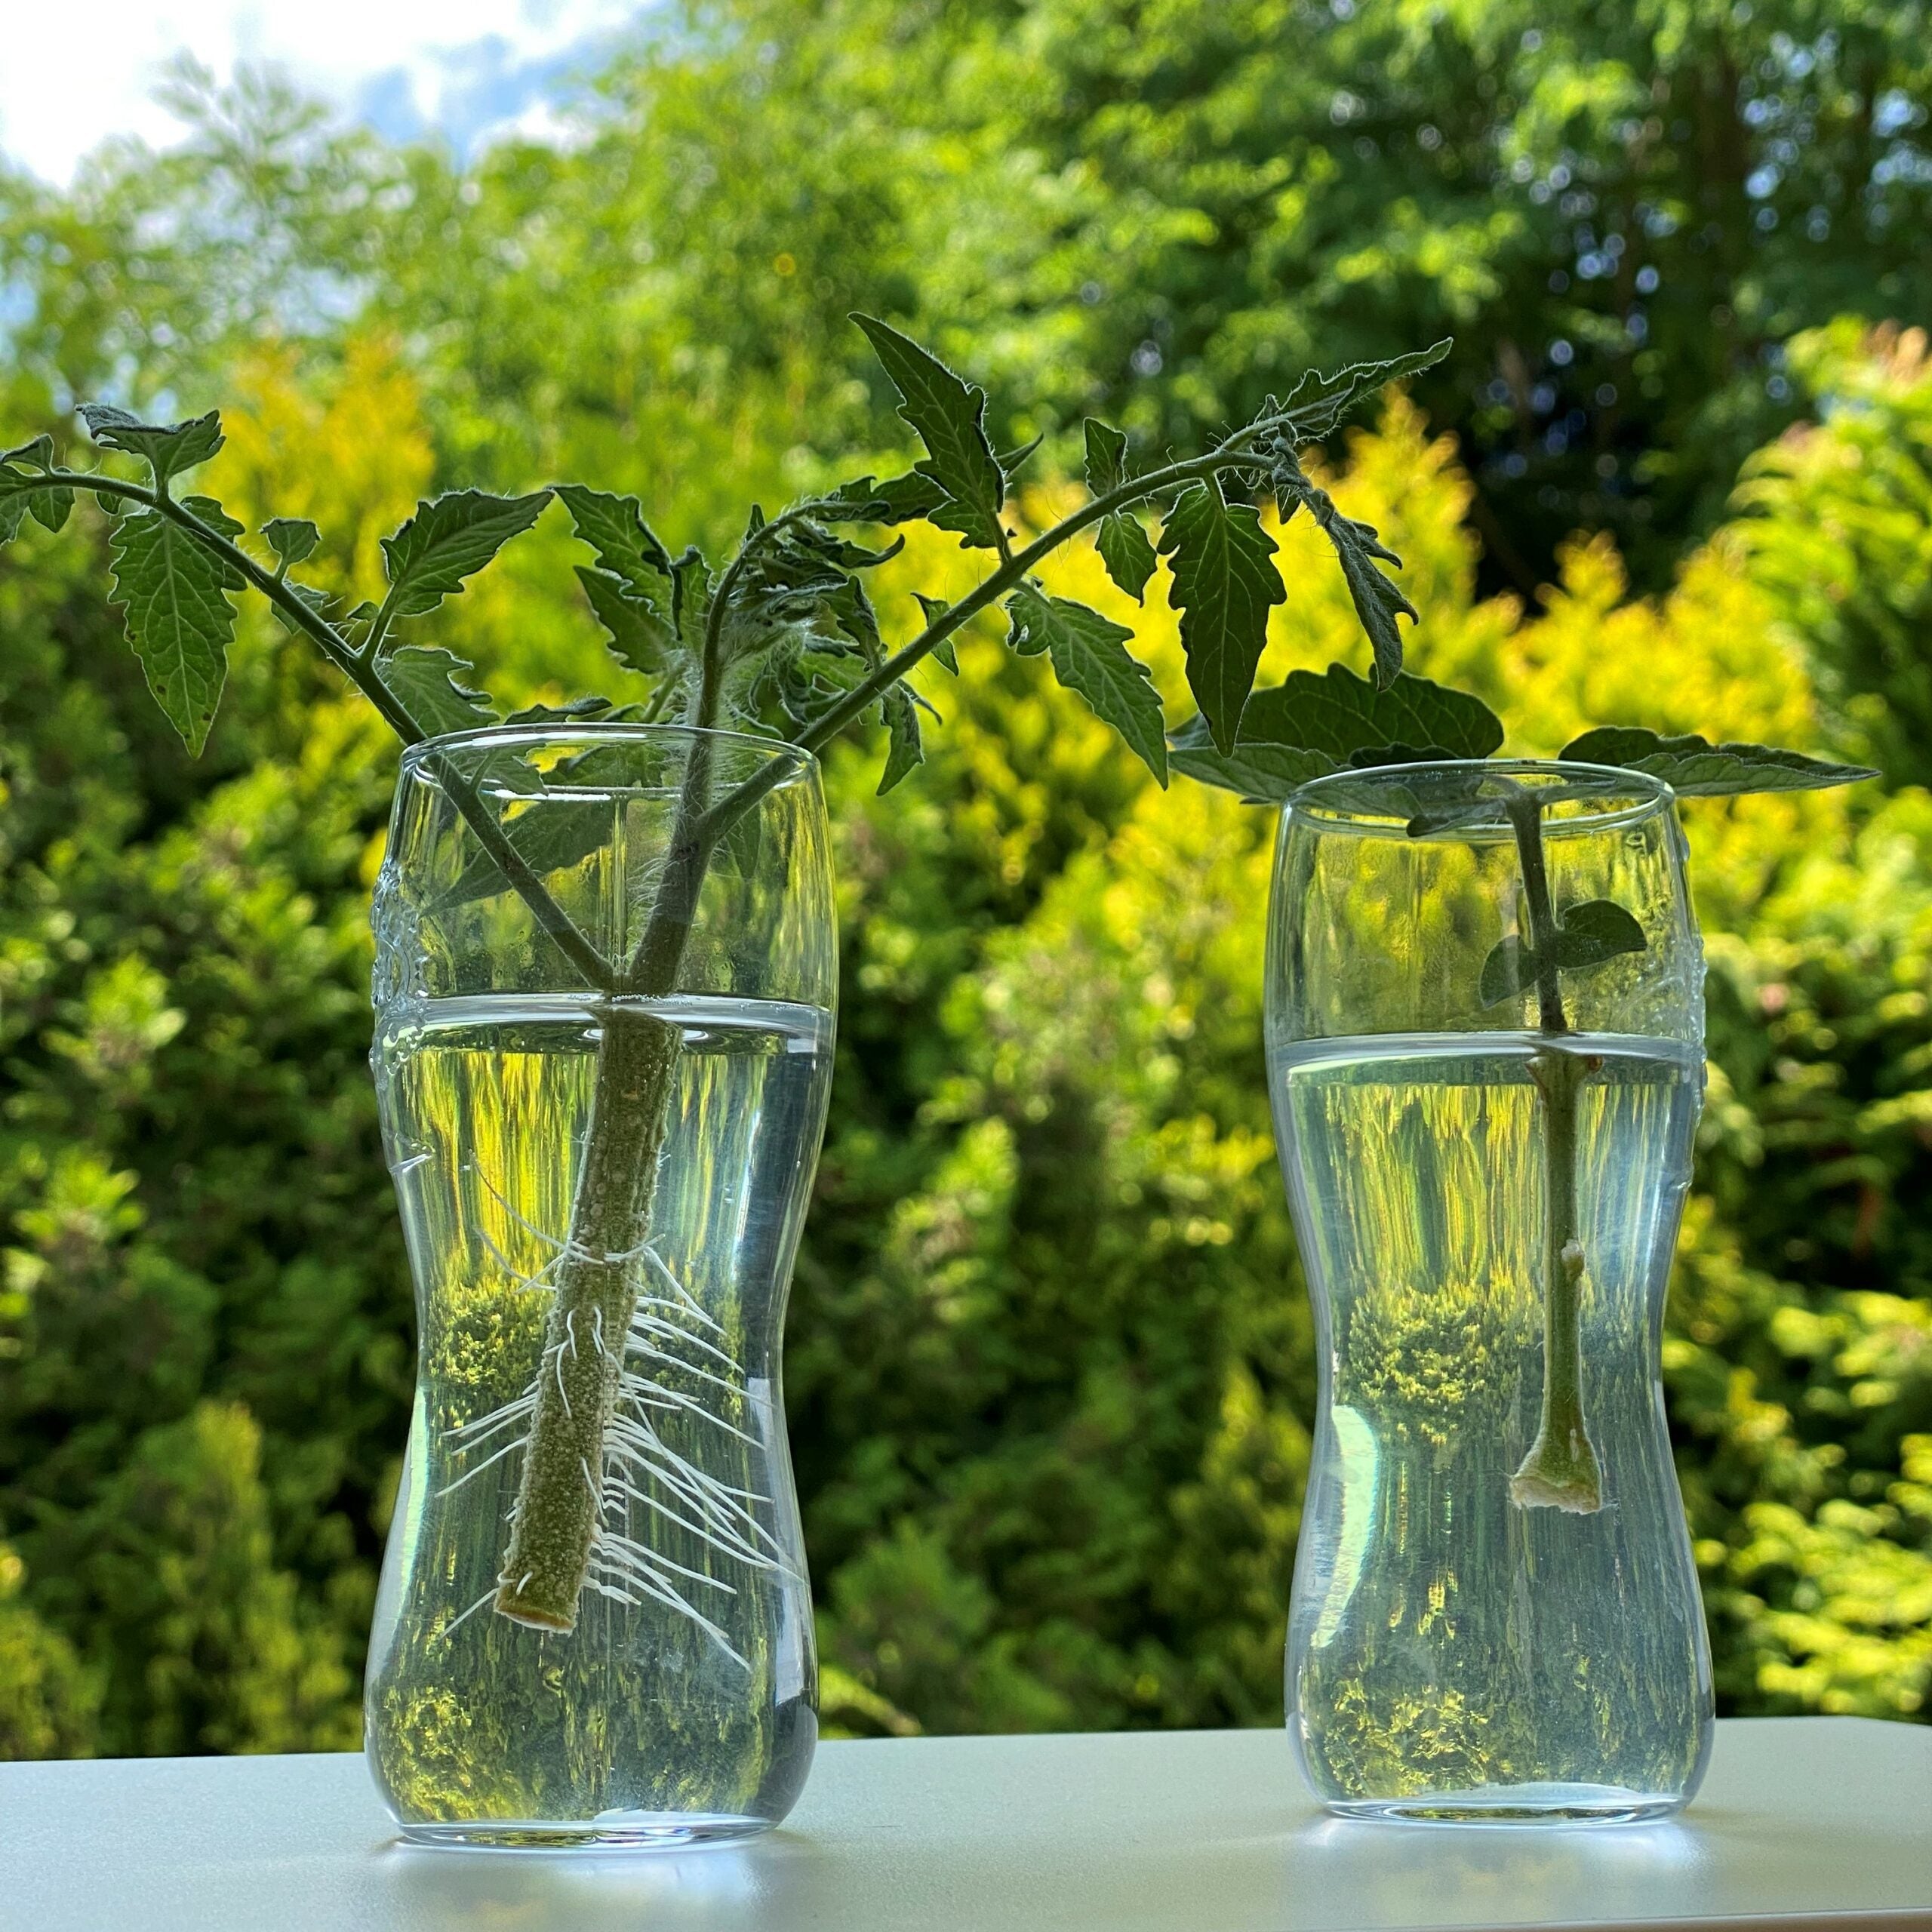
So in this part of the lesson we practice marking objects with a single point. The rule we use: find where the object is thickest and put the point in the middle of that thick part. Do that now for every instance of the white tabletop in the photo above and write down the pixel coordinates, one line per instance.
(1803, 1821)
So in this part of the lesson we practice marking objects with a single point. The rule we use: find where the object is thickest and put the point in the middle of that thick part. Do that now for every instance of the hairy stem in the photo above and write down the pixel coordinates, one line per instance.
(555, 1521)
(1561, 1470)
(558, 1513)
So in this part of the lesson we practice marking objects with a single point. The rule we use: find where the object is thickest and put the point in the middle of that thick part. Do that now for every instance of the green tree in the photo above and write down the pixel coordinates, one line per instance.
(1154, 212)
(1845, 542)
(1149, 211)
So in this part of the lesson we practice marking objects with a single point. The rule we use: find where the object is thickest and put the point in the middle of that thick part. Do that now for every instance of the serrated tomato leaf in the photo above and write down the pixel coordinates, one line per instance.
(448, 539)
(1223, 583)
(1341, 713)
(1128, 552)
(427, 682)
(1319, 402)
(637, 634)
(1089, 655)
(904, 751)
(1695, 768)
(1106, 457)
(898, 500)
(948, 415)
(167, 448)
(173, 592)
(1262, 773)
(614, 527)
(1378, 599)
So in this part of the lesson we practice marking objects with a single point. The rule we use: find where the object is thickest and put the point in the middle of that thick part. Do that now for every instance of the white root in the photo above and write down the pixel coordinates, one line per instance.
(449, 1628)
(642, 1476)
(468, 1475)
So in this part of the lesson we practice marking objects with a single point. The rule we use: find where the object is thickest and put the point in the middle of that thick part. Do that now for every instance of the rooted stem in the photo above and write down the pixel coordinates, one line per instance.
(556, 1519)
(1561, 1471)
(557, 1516)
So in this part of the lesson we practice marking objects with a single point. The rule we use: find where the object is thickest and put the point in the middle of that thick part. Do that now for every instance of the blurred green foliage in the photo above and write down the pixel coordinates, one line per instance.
(1050, 1361)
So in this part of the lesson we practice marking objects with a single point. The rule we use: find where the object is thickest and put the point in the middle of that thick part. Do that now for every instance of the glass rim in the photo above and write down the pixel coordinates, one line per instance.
(1627, 797)
(564, 733)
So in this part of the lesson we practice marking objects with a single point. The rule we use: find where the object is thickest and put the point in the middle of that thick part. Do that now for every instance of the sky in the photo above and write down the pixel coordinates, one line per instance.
(73, 72)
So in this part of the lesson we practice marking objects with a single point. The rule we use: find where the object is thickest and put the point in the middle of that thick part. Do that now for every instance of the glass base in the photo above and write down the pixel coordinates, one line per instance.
(1521, 1804)
(615, 1831)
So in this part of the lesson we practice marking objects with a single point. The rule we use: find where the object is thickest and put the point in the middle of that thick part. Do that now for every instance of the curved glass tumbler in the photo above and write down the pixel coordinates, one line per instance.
(594, 1626)
(1484, 1032)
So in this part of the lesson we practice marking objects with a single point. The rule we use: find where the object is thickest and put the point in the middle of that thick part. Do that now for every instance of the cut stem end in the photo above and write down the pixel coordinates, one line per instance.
(535, 1615)
(1560, 1473)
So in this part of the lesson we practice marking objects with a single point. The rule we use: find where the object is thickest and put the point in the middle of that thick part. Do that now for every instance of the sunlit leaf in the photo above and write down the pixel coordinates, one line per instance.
(427, 682)
(167, 448)
(1224, 581)
(1128, 552)
(1106, 457)
(293, 539)
(1319, 402)
(1089, 655)
(1338, 712)
(1693, 768)
(948, 415)
(904, 751)
(637, 634)
(174, 592)
(448, 539)
(614, 527)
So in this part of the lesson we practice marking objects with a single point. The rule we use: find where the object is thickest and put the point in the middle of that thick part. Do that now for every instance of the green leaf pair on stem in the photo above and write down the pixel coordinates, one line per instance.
(1589, 935)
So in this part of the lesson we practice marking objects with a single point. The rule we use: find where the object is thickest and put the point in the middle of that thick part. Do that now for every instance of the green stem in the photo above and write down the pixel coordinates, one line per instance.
(559, 1503)
(555, 1525)
(1526, 821)
(1561, 1470)
(558, 1509)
